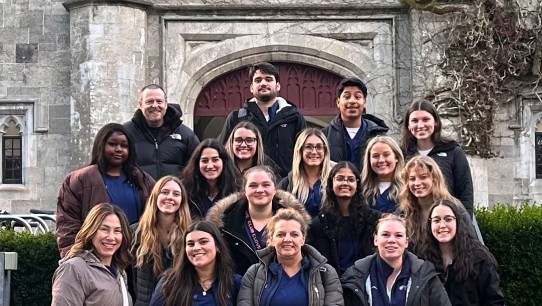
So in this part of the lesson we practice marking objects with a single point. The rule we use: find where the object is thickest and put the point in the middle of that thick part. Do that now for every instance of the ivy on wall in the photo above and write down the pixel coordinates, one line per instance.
(490, 55)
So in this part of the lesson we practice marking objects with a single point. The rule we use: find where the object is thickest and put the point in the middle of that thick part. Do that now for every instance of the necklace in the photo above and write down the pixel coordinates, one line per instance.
(206, 284)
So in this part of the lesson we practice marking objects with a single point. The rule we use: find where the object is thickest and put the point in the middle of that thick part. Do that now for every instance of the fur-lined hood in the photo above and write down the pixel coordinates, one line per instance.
(283, 198)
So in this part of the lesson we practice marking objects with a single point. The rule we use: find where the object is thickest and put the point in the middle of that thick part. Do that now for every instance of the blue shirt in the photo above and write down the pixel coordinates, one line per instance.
(384, 204)
(290, 291)
(314, 199)
(353, 145)
(348, 248)
(125, 195)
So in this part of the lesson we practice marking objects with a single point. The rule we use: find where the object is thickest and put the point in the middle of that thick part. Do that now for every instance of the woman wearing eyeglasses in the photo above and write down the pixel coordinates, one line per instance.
(245, 147)
(342, 232)
(310, 169)
(466, 267)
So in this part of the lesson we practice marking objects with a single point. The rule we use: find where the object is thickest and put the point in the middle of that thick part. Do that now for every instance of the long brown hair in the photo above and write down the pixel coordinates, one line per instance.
(150, 246)
(83, 241)
(181, 280)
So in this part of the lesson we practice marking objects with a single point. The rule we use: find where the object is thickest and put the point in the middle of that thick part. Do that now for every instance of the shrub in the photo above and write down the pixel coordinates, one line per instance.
(513, 235)
(37, 260)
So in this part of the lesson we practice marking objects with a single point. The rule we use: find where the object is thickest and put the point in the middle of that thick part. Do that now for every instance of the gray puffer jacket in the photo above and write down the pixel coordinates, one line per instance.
(324, 286)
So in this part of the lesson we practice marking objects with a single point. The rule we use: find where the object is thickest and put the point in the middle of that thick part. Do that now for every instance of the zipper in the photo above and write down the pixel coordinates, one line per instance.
(225, 231)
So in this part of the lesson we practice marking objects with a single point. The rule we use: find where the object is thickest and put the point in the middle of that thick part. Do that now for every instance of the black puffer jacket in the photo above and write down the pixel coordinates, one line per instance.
(169, 152)
(455, 168)
(278, 136)
(335, 134)
(323, 235)
(425, 288)
(229, 214)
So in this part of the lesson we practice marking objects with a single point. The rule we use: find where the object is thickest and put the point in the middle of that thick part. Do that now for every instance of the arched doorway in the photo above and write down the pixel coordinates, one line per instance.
(312, 89)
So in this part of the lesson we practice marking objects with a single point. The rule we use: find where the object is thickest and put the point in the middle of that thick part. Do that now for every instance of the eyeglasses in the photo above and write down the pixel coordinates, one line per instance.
(446, 219)
(349, 180)
(310, 148)
(249, 140)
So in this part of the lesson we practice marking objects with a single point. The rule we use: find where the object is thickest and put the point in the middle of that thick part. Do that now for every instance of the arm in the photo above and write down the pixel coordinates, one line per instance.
(463, 180)
(228, 127)
(67, 287)
(246, 293)
(437, 293)
(332, 287)
(68, 220)
(488, 285)
(158, 298)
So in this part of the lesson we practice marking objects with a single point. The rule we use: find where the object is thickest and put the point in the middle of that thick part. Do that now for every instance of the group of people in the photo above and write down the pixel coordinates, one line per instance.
(272, 212)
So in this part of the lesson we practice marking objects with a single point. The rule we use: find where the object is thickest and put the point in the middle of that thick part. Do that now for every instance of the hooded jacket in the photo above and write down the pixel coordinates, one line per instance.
(81, 190)
(455, 168)
(229, 214)
(278, 135)
(424, 286)
(335, 134)
(324, 286)
(84, 280)
(169, 152)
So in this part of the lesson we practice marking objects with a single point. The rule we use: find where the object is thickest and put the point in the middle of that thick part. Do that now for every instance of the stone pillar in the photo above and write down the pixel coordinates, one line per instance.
(108, 66)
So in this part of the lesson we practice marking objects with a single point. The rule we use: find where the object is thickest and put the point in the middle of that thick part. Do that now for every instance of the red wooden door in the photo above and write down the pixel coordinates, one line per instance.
(312, 89)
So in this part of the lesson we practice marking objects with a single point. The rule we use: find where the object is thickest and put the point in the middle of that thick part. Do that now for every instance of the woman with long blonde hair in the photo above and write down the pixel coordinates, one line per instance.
(92, 272)
(424, 186)
(310, 169)
(159, 235)
(381, 175)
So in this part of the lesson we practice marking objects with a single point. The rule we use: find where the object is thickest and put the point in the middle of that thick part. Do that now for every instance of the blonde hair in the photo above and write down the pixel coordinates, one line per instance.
(300, 185)
(150, 246)
(286, 214)
(409, 203)
(369, 179)
(259, 157)
(83, 241)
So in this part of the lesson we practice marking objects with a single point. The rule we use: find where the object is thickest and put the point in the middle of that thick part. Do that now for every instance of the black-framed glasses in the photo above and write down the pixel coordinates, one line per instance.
(309, 148)
(446, 219)
(351, 180)
(249, 140)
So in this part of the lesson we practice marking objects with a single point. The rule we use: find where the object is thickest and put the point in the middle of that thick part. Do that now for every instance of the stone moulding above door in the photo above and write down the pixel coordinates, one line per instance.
(72, 4)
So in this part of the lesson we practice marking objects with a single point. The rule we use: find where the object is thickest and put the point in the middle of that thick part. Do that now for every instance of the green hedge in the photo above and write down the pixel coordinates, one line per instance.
(37, 261)
(514, 237)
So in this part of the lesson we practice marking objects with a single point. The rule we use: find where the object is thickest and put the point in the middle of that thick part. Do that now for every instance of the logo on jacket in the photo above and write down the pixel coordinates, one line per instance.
(284, 125)
(176, 136)
(442, 154)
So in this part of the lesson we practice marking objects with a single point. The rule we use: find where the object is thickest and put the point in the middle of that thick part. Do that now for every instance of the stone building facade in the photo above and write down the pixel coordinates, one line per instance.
(69, 67)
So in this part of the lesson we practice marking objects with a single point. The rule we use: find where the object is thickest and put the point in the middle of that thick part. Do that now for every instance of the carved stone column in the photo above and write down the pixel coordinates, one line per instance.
(108, 43)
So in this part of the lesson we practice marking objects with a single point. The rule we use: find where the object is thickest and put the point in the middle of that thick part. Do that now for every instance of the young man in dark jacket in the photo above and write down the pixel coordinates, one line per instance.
(164, 145)
(277, 119)
(351, 130)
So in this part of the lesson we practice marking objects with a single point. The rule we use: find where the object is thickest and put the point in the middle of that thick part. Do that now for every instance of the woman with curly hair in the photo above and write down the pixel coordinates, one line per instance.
(342, 231)
(92, 273)
(310, 169)
(209, 176)
(159, 235)
(422, 135)
(424, 186)
(245, 146)
(203, 274)
(381, 175)
(467, 268)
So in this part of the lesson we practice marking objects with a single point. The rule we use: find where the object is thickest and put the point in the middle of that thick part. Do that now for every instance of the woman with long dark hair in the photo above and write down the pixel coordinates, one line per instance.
(467, 268)
(92, 273)
(209, 176)
(342, 230)
(112, 177)
(159, 235)
(203, 274)
(422, 135)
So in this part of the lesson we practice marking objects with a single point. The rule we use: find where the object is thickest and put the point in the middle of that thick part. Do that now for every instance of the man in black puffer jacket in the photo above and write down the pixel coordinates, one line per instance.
(164, 145)
(351, 130)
